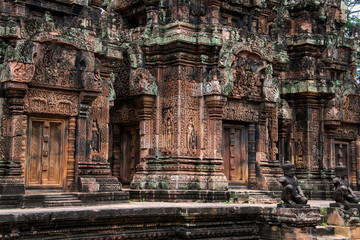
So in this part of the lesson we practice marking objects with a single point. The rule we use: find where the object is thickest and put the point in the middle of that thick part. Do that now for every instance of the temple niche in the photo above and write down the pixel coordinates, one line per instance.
(194, 96)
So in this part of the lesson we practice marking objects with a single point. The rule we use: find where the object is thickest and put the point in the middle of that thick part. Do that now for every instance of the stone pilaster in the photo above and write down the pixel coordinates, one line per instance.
(11, 179)
(214, 11)
(145, 105)
(91, 176)
(215, 105)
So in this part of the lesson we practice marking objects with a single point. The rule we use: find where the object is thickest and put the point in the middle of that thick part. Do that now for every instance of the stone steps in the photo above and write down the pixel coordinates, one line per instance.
(61, 200)
(251, 196)
(328, 233)
(332, 237)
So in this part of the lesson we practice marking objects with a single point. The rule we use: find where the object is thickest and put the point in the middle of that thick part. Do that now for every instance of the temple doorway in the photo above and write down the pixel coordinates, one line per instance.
(126, 152)
(45, 161)
(235, 154)
(344, 154)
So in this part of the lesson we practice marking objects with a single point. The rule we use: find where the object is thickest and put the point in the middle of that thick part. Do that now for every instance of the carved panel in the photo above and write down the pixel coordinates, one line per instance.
(58, 66)
(248, 77)
(121, 81)
(190, 122)
(351, 108)
(241, 111)
(346, 134)
(124, 113)
(37, 101)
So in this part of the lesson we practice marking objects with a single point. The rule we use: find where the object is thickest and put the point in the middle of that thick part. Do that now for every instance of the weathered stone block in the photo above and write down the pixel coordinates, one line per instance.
(87, 184)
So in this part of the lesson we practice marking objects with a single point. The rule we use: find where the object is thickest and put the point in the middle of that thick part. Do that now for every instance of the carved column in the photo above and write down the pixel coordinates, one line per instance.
(284, 125)
(215, 105)
(252, 156)
(353, 179)
(213, 11)
(151, 8)
(358, 156)
(145, 105)
(11, 181)
(82, 165)
(331, 126)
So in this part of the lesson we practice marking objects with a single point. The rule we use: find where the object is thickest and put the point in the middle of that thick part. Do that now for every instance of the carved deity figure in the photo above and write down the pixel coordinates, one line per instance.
(292, 193)
(343, 194)
(191, 136)
(168, 134)
(95, 137)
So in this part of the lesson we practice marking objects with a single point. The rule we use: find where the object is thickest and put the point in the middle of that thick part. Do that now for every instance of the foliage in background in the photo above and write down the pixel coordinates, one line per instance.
(353, 19)
(354, 10)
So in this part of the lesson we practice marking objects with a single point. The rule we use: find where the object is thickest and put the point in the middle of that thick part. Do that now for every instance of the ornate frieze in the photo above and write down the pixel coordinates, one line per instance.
(241, 111)
(39, 101)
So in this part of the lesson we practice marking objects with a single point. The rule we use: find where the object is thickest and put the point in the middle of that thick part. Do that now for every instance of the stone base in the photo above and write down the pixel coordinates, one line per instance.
(345, 206)
(99, 184)
(288, 205)
(180, 173)
(180, 195)
(12, 185)
(340, 217)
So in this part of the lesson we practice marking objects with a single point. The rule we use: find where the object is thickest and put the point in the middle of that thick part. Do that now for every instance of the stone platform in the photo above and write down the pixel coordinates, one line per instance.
(159, 220)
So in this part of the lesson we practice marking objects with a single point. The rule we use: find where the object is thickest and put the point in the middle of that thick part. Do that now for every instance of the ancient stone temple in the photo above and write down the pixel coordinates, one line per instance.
(198, 95)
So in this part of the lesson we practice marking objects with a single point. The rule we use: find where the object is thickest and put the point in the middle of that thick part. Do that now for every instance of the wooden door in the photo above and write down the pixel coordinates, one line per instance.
(45, 158)
(129, 153)
(235, 154)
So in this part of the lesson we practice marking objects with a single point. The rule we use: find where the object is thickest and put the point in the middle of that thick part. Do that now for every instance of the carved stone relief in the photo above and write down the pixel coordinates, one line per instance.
(241, 111)
(55, 65)
(38, 101)
(248, 77)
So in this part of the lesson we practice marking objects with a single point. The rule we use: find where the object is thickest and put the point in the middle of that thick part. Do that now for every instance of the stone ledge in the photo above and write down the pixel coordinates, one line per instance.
(155, 221)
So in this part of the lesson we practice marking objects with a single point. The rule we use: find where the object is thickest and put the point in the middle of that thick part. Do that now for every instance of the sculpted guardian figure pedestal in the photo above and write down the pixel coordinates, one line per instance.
(343, 195)
(292, 194)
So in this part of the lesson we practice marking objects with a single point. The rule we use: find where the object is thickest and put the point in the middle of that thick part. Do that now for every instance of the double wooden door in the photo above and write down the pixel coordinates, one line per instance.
(235, 154)
(45, 154)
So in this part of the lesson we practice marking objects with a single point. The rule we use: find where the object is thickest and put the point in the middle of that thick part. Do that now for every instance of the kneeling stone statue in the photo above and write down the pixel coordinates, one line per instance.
(292, 194)
(343, 195)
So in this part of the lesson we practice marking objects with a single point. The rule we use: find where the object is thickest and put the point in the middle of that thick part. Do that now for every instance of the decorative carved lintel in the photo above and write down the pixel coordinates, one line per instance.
(215, 105)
